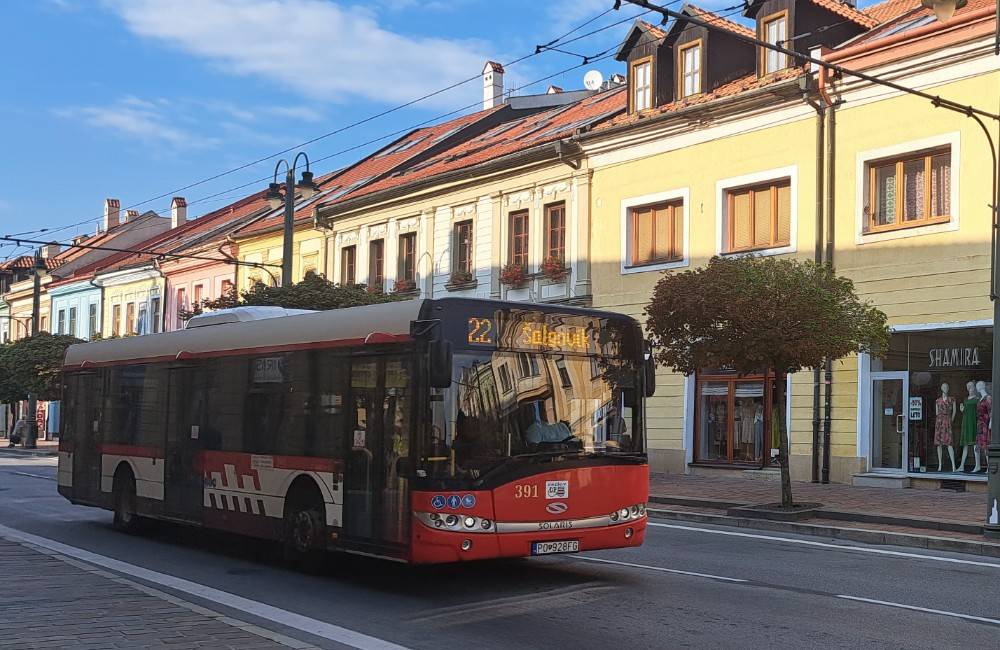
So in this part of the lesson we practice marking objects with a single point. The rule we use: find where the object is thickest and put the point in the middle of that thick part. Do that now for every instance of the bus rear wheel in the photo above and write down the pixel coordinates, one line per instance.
(126, 519)
(303, 540)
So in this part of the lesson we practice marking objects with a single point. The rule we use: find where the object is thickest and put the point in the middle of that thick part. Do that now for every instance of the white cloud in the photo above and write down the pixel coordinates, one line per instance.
(139, 119)
(315, 47)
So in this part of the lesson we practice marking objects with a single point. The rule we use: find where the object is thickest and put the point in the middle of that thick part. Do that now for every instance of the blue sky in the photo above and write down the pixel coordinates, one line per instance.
(135, 98)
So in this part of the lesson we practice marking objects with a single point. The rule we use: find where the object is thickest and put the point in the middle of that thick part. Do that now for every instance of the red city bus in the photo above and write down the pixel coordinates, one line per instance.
(421, 431)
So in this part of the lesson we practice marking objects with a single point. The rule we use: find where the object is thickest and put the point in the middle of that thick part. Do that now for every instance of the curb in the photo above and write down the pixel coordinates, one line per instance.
(866, 536)
(831, 513)
(17, 451)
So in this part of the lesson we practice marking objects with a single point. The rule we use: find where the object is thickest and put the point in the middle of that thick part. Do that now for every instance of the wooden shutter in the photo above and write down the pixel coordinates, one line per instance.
(783, 237)
(742, 236)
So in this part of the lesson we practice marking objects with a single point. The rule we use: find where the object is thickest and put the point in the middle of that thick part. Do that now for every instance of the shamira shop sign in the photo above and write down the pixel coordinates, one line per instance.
(953, 357)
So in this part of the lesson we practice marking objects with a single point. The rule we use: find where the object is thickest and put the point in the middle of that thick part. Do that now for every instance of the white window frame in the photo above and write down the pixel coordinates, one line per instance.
(722, 205)
(695, 74)
(684, 194)
(647, 89)
(780, 57)
(951, 140)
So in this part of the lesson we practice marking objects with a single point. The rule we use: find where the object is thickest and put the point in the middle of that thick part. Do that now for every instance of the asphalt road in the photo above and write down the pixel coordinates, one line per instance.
(689, 586)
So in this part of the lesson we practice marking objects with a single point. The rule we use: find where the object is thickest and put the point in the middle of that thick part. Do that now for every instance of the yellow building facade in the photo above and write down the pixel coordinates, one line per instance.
(909, 196)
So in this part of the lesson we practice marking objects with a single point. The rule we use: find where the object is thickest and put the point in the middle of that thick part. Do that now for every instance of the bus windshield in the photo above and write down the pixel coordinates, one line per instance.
(505, 404)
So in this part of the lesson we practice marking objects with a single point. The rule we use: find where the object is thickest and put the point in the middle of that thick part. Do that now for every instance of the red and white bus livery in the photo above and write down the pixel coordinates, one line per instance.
(421, 430)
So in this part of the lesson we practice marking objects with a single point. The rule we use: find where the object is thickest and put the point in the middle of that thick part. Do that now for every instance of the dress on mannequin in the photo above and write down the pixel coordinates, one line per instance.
(983, 412)
(943, 409)
(970, 425)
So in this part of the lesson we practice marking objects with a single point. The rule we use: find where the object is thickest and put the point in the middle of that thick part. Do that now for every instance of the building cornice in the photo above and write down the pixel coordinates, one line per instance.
(127, 276)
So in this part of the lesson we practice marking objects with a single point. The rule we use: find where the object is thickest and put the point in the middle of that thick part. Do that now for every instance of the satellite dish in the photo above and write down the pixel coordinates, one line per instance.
(593, 80)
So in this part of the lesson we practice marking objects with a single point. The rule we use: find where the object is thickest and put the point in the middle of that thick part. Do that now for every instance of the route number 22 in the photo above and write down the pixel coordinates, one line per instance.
(481, 331)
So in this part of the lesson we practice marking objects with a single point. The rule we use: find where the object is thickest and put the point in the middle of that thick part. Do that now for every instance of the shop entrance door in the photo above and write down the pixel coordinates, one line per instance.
(890, 425)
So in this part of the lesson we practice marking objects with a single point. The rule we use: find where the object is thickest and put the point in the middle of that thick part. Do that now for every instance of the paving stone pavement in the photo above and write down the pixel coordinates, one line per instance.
(51, 601)
(925, 504)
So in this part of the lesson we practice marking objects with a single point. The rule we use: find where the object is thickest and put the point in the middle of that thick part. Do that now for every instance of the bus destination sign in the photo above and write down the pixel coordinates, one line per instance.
(531, 335)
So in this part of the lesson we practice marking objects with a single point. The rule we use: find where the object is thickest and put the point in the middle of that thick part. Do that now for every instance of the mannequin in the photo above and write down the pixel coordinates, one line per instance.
(984, 410)
(970, 425)
(944, 415)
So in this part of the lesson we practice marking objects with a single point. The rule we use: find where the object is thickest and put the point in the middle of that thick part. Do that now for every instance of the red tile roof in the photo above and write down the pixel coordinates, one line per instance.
(735, 87)
(897, 16)
(846, 11)
(653, 30)
(342, 184)
(509, 138)
(26, 262)
(717, 20)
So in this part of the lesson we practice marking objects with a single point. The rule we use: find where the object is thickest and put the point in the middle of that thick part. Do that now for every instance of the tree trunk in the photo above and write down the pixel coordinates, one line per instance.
(783, 457)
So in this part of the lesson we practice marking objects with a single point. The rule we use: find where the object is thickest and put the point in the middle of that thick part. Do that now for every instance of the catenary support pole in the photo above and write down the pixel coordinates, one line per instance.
(31, 439)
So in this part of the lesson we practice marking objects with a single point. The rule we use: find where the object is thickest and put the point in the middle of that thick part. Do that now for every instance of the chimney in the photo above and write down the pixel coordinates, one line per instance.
(492, 85)
(111, 209)
(50, 250)
(130, 215)
(553, 90)
(178, 211)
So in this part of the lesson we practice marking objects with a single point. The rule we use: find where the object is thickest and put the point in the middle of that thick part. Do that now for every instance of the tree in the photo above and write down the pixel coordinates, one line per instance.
(750, 314)
(313, 292)
(33, 365)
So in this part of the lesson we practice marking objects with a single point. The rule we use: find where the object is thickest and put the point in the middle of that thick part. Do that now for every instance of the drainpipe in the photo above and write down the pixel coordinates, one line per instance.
(820, 108)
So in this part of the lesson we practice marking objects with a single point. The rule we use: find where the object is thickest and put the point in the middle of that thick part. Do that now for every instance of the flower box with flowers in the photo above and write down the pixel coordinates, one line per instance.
(554, 269)
(513, 276)
(404, 286)
(460, 280)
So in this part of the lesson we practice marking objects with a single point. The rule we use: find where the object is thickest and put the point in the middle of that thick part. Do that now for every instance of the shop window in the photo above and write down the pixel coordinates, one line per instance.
(733, 420)
(376, 263)
(774, 30)
(407, 257)
(656, 233)
(908, 191)
(347, 265)
(519, 239)
(463, 247)
(689, 69)
(759, 217)
(642, 84)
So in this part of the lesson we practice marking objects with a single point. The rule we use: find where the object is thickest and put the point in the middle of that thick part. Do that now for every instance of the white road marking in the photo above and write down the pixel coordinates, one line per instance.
(842, 547)
(47, 478)
(658, 568)
(942, 612)
(284, 617)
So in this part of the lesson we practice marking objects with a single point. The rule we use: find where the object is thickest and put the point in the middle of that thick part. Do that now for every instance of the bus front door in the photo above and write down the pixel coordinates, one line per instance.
(183, 485)
(377, 508)
(83, 417)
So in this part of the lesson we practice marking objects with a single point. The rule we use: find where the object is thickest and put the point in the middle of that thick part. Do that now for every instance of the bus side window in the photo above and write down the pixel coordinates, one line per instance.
(225, 393)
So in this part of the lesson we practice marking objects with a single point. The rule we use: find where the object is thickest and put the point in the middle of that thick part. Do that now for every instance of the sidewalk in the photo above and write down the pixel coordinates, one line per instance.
(939, 519)
(43, 448)
(51, 601)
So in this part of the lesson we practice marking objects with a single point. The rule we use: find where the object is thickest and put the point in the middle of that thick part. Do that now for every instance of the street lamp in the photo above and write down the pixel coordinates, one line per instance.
(307, 189)
(944, 9)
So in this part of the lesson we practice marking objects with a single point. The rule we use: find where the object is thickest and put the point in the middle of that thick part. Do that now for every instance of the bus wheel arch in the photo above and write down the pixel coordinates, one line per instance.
(304, 530)
(124, 500)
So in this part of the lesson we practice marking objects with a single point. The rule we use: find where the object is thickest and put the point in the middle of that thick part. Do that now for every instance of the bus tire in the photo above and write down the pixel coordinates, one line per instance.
(305, 526)
(126, 517)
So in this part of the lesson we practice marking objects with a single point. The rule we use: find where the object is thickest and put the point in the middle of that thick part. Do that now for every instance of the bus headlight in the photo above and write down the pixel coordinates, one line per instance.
(451, 521)
(470, 522)
(631, 513)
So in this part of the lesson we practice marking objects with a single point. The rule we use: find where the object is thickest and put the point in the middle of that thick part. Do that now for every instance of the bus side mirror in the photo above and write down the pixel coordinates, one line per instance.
(439, 357)
(649, 368)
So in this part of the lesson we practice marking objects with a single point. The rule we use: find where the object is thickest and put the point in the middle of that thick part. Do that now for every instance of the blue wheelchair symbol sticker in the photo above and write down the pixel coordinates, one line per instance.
(437, 502)
(469, 501)
(454, 502)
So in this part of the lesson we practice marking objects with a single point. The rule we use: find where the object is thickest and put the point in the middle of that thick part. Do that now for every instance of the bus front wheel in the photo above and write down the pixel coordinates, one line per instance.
(126, 519)
(304, 534)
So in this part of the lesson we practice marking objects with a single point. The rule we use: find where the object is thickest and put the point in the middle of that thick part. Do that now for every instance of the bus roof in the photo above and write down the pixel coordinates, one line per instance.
(382, 323)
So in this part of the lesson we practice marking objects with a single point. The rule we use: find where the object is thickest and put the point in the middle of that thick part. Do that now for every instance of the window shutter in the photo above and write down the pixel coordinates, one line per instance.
(677, 250)
(762, 216)
(742, 236)
(941, 185)
(784, 235)
(662, 233)
(643, 235)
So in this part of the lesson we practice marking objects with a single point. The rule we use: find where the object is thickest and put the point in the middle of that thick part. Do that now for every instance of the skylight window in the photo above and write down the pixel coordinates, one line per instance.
(403, 146)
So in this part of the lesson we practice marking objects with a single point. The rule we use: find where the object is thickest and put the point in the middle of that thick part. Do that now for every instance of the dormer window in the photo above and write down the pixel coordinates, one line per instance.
(642, 84)
(689, 69)
(774, 30)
